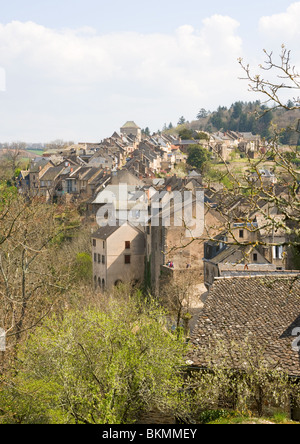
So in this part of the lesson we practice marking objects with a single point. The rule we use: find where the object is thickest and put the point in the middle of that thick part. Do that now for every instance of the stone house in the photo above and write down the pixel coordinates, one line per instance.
(82, 181)
(23, 182)
(234, 260)
(250, 144)
(264, 312)
(275, 238)
(50, 181)
(130, 128)
(118, 255)
(125, 176)
(36, 170)
(180, 238)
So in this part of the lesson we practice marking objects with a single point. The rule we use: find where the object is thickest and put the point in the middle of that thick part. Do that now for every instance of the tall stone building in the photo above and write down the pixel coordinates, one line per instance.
(130, 128)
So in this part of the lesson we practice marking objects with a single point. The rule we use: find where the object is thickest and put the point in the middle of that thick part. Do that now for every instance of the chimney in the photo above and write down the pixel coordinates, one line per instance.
(169, 188)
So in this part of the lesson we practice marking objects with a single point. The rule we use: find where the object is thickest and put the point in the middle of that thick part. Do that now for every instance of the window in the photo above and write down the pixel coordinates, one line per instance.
(127, 245)
(127, 259)
(99, 258)
(103, 259)
(103, 244)
(95, 257)
(277, 252)
(241, 234)
(94, 243)
(254, 257)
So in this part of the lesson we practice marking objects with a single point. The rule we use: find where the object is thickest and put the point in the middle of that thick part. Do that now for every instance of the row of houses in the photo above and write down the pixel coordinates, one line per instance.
(87, 172)
(145, 156)
(159, 212)
(223, 145)
(78, 171)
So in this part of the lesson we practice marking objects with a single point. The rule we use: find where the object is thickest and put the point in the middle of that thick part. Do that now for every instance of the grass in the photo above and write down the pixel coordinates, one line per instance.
(36, 152)
(232, 417)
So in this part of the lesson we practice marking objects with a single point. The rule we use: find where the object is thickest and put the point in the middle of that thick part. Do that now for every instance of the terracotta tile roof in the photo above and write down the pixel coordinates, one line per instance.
(265, 309)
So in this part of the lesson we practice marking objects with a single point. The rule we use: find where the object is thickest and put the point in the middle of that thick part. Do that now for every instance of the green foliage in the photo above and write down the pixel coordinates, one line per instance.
(17, 172)
(7, 194)
(280, 417)
(83, 267)
(186, 134)
(257, 385)
(292, 157)
(296, 257)
(68, 223)
(181, 121)
(242, 117)
(202, 136)
(213, 415)
(146, 131)
(197, 156)
(96, 366)
(202, 114)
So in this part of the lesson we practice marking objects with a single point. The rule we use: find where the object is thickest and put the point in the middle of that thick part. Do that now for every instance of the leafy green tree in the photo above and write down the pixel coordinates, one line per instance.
(84, 267)
(97, 366)
(197, 156)
(146, 131)
(237, 109)
(181, 121)
(186, 134)
(202, 114)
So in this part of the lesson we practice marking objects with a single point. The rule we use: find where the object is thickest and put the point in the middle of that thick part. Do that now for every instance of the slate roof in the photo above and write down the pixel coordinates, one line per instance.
(225, 254)
(265, 309)
(52, 173)
(105, 232)
(35, 168)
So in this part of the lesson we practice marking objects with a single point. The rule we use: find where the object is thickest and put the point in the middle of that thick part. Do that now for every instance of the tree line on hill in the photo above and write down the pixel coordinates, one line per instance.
(253, 117)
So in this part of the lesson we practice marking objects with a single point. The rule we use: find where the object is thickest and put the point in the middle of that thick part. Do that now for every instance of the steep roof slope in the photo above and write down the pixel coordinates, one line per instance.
(266, 310)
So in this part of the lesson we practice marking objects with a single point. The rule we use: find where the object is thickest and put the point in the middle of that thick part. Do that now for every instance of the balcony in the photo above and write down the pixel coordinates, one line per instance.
(192, 273)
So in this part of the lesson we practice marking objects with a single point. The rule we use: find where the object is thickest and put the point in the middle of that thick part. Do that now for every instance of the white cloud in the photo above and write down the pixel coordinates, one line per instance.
(76, 78)
(284, 25)
(282, 29)
(2, 79)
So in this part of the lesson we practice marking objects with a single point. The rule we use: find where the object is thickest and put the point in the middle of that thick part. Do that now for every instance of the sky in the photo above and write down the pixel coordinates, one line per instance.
(79, 69)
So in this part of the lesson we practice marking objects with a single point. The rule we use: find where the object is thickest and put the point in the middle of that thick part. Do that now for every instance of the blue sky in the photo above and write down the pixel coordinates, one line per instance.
(77, 70)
